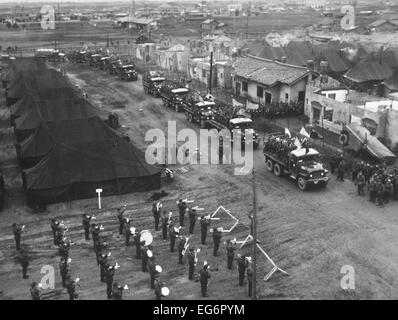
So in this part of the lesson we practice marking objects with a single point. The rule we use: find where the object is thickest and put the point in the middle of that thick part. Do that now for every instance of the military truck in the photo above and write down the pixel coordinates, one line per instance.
(152, 82)
(287, 156)
(226, 117)
(172, 96)
(113, 67)
(104, 62)
(127, 72)
(95, 60)
(198, 110)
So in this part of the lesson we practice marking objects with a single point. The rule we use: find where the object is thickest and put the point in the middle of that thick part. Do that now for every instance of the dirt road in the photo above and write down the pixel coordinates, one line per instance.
(309, 234)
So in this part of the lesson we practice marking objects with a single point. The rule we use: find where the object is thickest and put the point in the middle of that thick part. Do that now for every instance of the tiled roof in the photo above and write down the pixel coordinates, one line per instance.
(299, 52)
(267, 72)
(392, 82)
(368, 71)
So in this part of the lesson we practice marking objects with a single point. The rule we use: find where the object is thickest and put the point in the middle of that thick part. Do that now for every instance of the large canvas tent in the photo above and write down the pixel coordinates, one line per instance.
(71, 132)
(71, 172)
(51, 110)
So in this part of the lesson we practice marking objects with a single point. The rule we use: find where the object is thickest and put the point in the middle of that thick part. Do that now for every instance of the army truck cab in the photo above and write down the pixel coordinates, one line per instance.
(173, 97)
(199, 112)
(127, 72)
(95, 60)
(245, 126)
(104, 62)
(152, 82)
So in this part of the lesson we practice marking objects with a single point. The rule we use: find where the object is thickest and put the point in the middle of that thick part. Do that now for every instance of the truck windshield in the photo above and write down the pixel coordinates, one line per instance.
(309, 158)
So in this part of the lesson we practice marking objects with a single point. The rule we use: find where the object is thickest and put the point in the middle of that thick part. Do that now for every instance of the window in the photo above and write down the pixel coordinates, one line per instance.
(286, 97)
(244, 86)
(332, 96)
(328, 115)
(221, 75)
(203, 73)
(260, 92)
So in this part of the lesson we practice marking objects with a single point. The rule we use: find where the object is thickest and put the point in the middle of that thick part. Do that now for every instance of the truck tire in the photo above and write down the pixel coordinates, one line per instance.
(277, 170)
(301, 183)
(269, 165)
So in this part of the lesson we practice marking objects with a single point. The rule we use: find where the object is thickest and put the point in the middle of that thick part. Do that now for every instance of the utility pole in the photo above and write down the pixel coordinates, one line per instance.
(247, 20)
(211, 72)
(254, 292)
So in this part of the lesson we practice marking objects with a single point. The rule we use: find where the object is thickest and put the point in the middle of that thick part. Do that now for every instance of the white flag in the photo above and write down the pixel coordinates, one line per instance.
(297, 143)
(287, 132)
(304, 132)
(251, 105)
(236, 103)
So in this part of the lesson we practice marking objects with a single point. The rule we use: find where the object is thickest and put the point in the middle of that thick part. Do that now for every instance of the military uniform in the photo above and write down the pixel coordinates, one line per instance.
(103, 263)
(341, 170)
(249, 273)
(158, 289)
(120, 217)
(64, 269)
(230, 254)
(191, 263)
(388, 191)
(24, 265)
(380, 193)
(172, 235)
(109, 273)
(216, 241)
(181, 245)
(204, 223)
(242, 265)
(137, 244)
(165, 221)
(144, 257)
(182, 207)
(35, 291)
(192, 219)
(204, 277)
(17, 230)
(127, 235)
(54, 227)
(156, 215)
(71, 288)
(86, 219)
(95, 233)
(117, 292)
(360, 180)
(372, 190)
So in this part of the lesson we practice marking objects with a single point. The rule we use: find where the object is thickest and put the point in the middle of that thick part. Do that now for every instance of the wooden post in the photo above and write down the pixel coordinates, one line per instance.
(211, 72)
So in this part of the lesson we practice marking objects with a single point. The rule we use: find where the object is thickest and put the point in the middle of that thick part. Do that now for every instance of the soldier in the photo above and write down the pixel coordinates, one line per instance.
(95, 233)
(144, 256)
(35, 291)
(117, 291)
(173, 233)
(242, 265)
(181, 247)
(17, 230)
(55, 225)
(158, 289)
(98, 248)
(156, 214)
(165, 221)
(388, 191)
(372, 190)
(137, 243)
(120, 217)
(204, 223)
(204, 277)
(192, 214)
(182, 207)
(341, 169)
(231, 247)
(103, 263)
(64, 249)
(128, 232)
(71, 287)
(380, 193)
(109, 273)
(154, 271)
(191, 262)
(59, 235)
(360, 181)
(216, 240)
(249, 273)
(64, 268)
(86, 219)
(24, 259)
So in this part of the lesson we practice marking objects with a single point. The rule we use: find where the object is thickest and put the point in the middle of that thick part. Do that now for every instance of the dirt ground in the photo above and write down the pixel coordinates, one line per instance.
(309, 234)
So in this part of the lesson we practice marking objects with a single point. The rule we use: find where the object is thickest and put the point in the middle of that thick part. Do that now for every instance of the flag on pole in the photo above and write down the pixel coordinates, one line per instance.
(236, 104)
(297, 143)
(304, 132)
(251, 105)
(287, 132)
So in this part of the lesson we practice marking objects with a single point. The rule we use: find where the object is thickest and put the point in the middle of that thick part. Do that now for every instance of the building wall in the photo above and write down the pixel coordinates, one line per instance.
(340, 94)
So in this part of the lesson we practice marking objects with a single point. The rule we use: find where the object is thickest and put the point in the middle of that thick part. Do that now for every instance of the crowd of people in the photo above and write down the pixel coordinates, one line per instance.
(278, 110)
(163, 222)
(281, 146)
(380, 180)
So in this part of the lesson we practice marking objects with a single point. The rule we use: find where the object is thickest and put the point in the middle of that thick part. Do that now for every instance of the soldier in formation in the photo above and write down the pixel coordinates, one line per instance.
(86, 221)
(17, 230)
(192, 215)
(204, 224)
(231, 247)
(216, 240)
(156, 211)
(182, 207)
(204, 276)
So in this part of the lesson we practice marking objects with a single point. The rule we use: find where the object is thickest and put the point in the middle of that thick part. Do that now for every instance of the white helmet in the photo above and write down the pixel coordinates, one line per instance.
(165, 291)
(158, 268)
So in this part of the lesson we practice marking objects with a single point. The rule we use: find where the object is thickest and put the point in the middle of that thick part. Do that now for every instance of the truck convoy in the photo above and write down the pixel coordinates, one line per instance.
(152, 82)
(285, 156)
(225, 117)
(172, 95)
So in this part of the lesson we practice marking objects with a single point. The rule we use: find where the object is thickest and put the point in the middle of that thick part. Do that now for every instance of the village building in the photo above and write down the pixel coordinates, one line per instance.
(383, 25)
(266, 81)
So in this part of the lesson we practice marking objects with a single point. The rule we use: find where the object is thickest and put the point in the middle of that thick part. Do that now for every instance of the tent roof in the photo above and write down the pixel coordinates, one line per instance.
(54, 110)
(70, 132)
(88, 162)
